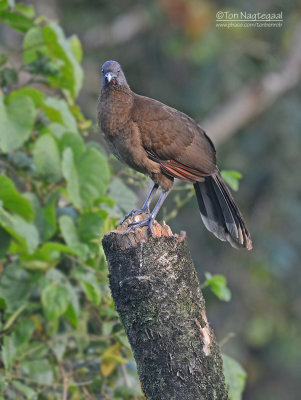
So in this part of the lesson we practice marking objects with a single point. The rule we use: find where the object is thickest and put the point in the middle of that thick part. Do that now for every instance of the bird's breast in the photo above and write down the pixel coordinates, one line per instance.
(114, 113)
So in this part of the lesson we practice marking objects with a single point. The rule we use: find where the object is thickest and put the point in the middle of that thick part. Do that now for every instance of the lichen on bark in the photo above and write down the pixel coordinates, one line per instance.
(159, 301)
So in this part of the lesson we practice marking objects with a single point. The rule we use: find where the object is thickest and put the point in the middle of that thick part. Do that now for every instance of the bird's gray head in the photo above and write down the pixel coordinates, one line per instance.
(112, 75)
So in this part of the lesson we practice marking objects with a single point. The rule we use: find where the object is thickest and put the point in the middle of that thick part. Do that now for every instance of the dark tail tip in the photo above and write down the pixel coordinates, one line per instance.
(220, 214)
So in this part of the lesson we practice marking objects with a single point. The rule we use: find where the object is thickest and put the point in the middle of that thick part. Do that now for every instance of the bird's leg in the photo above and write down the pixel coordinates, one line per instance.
(149, 221)
(144, 208)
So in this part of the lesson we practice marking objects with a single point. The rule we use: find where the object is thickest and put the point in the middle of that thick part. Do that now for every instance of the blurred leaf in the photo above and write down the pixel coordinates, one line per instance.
(21, 159)
(47, 158)
(49, 216)
(89, 227)
(71, 176)
(125, 341)
(107, 328)
(3, 5)
(3, 303)
(35, 265)
(87, 179)
(75, 142)
(14, 286)
(110, 359)
(13, 201)
(58, 130)
(55, 301)
(8, 77)
(232, 178)
(16, 342)
(14, 316)
(57, 110)
(36, 349)
(76, 48)
(235, 377)
(124, 197)
(24, 232)
(9, 351)
(218, 285)
(25, 390)
(50, 44)
(17, 21)
(17, 119)
(94, 175)
(82, 122)
(71, 75)
(36, 95)
(49, 249)
(71, 315)
(23, 332)
(38, 370)
(59, 346)
(33, 45)
(37, 55)
(5, 239)
(92, 292)
(27, 11)
(45, 218)
(3, 59)
(70, 235)
(42, 66)
(124, 393)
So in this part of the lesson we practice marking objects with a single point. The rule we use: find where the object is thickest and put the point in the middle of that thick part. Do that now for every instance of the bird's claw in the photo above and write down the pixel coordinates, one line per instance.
(132, 214)
(147, 222)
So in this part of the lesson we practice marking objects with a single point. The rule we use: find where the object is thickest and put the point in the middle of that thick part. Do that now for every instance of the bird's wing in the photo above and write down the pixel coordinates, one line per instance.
(174, 140)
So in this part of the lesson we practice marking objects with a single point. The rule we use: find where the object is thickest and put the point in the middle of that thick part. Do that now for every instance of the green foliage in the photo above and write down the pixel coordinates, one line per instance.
(55, 301)
(47, 158)
(17, 118)
(46, 50)
(13, 201)
(58, 322)
(218, 285)
(84, 182)
(232, 178)
(235, 377)
(19, 17)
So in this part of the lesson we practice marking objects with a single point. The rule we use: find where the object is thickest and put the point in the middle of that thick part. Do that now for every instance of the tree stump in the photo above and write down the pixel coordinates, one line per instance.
(159, 301)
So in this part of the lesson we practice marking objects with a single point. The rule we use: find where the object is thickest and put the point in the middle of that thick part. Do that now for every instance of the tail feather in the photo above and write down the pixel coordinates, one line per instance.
(219, 212)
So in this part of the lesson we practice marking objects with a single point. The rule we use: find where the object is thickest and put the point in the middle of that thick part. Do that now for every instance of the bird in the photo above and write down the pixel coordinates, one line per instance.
(166, 144)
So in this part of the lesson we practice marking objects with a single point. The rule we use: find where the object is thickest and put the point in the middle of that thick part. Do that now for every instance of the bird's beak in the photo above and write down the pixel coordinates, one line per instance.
(109, 76)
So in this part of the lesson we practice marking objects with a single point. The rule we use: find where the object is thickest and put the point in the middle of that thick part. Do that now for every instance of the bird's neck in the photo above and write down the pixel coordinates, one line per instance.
(115, 90)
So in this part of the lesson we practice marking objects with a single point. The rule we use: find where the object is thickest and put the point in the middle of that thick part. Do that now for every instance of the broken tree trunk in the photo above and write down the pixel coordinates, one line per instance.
(159, 301)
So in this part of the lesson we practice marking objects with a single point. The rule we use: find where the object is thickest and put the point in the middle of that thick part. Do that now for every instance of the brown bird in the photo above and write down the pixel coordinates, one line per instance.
(164, 144)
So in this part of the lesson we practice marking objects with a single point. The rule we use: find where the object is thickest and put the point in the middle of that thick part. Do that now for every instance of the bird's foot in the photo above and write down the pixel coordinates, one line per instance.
(147, 222)
(133, 214)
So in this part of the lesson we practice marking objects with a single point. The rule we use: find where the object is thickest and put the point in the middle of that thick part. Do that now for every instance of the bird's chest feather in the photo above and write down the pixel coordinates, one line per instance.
(114, 118)
(114, 112)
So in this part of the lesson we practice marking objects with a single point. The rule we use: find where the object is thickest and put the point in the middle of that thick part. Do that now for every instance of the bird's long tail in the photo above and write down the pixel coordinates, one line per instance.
(219, 212)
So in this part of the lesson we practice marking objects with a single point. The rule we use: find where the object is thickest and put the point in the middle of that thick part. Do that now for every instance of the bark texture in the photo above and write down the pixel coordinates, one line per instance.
(158, 297)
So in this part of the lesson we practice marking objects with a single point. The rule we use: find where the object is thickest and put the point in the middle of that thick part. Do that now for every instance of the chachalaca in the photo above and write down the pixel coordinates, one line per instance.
(164, 144)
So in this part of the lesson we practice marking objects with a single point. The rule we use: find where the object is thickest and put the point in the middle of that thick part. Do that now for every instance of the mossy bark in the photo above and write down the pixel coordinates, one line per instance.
(158, 297)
